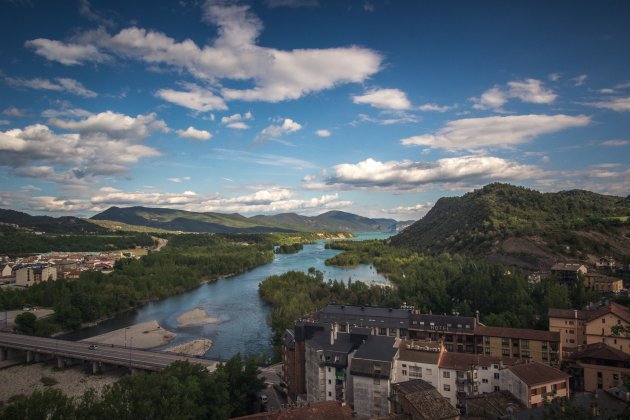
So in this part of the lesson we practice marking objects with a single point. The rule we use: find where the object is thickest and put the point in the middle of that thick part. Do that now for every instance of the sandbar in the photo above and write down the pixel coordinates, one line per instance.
(145, 335)
(191, 348)
(197, 316)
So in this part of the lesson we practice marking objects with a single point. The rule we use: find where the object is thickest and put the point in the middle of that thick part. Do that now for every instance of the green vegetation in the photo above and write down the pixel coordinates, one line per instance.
(9, 219)
(459, 283)
(181, 265)
(186, 221)
(289, 249)
(567, 223)
(124, 227)
(295, 294)
(17, 243)
(182, 390)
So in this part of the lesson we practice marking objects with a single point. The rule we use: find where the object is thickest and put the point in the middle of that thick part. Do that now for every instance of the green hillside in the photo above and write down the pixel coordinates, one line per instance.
(179, 220)
(15, 220)
(519, 225)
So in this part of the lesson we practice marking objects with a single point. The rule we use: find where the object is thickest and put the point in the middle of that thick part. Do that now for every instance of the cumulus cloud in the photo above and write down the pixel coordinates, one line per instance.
(101, 144)
(195, 98)
(237, 121)
(528, 90)
(415, 211)
(288, 126)
(384, 99)
(69, 54)
(60, 84)
(497, 131)
(407, 175)
(322, 133)
(615, 104)
(194, 134)
(434, 107)
(276, 75)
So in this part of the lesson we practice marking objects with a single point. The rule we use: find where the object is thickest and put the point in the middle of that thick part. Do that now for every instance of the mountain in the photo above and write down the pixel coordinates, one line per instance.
(521, 226)
(11, 219)
(187, 221)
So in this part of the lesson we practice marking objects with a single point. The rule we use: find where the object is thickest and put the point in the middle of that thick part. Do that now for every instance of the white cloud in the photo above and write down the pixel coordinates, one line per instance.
(497, 131)
(194, 134)
(179, 180)
(384, 99)
(434, 107)
(580, 80)
(616, 143)
(396, 118)
(406, 175)
(65, 112)
(615, 104)
(416, 211)
(265, 159)
(528, 90)
(69, 54)
(15, 112)
(277, 75)
(60, 84)
(531, 91)
(492, 98)
(322, 133)
(101, 144)
(195, 98)
(288, 126)
(554, 77)
(237, 121)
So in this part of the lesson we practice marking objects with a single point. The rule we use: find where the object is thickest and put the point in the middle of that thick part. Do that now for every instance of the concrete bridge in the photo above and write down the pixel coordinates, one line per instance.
(36, 349)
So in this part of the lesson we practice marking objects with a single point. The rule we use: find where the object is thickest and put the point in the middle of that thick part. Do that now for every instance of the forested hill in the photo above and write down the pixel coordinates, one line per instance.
(179, 220)
(15, 220)
(522, 226)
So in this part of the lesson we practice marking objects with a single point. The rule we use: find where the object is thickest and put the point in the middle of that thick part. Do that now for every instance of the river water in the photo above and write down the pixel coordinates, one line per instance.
(235, 301)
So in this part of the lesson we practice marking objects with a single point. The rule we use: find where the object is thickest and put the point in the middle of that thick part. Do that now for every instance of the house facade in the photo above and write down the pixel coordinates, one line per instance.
(534, 383)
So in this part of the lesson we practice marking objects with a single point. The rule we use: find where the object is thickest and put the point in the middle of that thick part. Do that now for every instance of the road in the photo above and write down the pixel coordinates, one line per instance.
(115, 355)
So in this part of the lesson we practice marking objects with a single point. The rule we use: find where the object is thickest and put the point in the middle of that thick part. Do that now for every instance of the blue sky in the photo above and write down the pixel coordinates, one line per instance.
(372, 107)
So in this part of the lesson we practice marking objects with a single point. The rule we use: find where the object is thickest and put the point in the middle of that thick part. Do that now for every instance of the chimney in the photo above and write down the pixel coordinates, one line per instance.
(332, 334)
(477, 315)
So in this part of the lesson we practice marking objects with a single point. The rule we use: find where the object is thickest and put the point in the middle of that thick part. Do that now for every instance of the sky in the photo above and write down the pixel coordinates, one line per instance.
(261, 107)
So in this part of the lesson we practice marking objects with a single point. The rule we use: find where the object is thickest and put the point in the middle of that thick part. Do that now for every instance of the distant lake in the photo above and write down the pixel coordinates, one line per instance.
(235, 301)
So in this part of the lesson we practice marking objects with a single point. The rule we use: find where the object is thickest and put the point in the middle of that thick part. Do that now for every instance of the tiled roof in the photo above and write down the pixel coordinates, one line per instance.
(566, 266)
(419, 351)
(522, 333)
(612, 308)
(568, 313)
(534, 373)
(426, 401)
(601, 351)
(327, 410)
(464, 361)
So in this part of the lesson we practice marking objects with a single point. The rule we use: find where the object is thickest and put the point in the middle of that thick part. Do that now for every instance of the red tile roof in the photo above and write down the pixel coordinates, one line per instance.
(612, 308)
(327, 410)
(568, 313)
(463, 361)
(521, 333)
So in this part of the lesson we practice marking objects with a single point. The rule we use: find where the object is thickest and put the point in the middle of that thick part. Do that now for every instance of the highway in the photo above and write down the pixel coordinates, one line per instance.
(113, 355)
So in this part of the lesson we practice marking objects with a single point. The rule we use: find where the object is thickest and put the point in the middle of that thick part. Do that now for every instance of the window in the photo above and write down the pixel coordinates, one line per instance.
(392, 332)
(376, 394)
(497, 389)
(329, 382)
(603, 320)
(484, 368)
(330, 394)
(377, 381)
(382, 331)
(446, 374)
(505, 352)
(415, 371)
(496, 376)
(328, 369)
(447, 387)
(484, 381)
(429, 372)
(404, 372)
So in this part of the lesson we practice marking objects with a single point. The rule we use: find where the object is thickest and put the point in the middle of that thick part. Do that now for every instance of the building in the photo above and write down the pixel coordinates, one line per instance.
(457, 332)
(604, 284)
(371, 370)
(326, 359)
(418, 360)
(568, 273)
(419, 400)
(494, 405)
(533, 383)
(293, 354)
(328, 410)
(36, 273)
(382, 321)
(570, 324)
(602, 366)
(6, 271)
(603, 321)
(606, 262)
(521, 343)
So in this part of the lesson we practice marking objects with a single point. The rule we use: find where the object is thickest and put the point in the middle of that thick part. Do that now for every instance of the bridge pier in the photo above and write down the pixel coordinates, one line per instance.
(96, 368)
(61, 364)
(29, 356)
(3, 353)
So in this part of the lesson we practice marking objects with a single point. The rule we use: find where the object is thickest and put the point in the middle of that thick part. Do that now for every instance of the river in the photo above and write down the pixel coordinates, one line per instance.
(235, 301)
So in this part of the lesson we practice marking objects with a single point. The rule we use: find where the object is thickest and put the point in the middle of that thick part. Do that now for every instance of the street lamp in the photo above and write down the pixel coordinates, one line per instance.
(126, 328)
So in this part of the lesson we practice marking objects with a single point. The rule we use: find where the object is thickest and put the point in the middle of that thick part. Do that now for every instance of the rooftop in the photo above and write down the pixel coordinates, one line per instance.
(443, 322)
(601, 351)
(611, 308)
(425, 400)
(534, 373)
(568, 313)
(464, 361)
(521, 333)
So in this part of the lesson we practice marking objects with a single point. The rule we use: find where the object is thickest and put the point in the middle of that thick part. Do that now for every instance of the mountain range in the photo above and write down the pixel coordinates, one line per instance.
(520, 226)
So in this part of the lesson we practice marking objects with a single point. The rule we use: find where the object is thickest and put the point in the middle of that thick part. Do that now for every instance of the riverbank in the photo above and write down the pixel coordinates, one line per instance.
(145, 335)
(195, 348)
(194, 317)
(24, 379)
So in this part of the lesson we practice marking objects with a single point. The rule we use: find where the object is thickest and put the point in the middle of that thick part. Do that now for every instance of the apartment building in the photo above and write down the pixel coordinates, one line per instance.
(457, 332)
(533, 383)
(602, 366)
(521, 343)
(381, 321)
(570, 324)
(418, 359)
(36, 273)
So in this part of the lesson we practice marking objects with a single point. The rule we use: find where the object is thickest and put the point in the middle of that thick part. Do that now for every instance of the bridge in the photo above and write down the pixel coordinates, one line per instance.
(98, 355)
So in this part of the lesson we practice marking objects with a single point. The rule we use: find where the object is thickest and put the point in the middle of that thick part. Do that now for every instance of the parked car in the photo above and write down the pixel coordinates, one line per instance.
(93, 346)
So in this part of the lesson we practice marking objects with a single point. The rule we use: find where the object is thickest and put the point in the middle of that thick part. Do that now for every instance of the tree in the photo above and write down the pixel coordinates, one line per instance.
(25, 323)
(49, 404)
